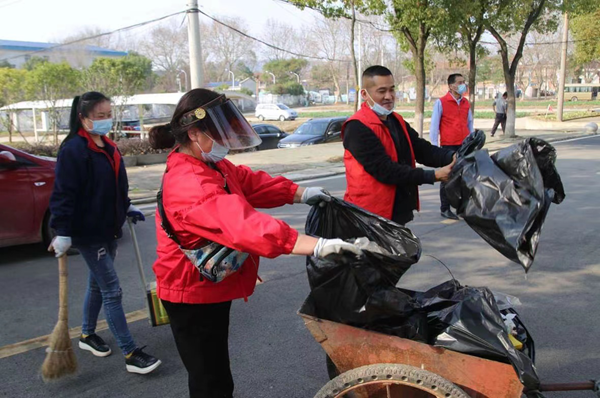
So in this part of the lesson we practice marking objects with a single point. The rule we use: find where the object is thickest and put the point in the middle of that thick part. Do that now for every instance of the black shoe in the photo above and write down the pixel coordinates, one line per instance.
(95, 344)
(141, 363)
(449, 215)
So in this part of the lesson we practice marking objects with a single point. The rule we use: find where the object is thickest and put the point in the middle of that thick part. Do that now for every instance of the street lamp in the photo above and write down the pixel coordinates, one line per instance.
(178, 79)
(274, 80)
(232, 78)
(186, 79)
(295, 74)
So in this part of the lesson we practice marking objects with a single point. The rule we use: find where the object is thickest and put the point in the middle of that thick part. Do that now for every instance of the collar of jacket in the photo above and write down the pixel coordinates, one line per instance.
(115, 160)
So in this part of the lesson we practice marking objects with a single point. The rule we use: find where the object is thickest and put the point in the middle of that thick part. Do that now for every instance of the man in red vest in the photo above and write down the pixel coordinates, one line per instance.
(451, 123)
(381, 151)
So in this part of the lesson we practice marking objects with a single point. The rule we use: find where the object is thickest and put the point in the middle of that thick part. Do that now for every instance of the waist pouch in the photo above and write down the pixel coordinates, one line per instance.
(214, 261)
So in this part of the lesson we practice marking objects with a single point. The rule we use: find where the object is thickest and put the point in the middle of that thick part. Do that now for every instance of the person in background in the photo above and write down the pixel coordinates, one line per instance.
(451, 123)
(206, 220)
(500, 106)
(89, 205)
(381, 152)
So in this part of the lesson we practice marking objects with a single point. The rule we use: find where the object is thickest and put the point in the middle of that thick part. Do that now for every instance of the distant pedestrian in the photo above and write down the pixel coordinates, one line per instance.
(500, 106)
(451, 123)
(89, 205)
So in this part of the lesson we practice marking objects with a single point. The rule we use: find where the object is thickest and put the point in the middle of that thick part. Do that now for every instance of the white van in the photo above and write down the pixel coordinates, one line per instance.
(275, 112)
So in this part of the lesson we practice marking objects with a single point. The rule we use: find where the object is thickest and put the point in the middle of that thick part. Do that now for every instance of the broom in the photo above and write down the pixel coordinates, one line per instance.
(60, 358)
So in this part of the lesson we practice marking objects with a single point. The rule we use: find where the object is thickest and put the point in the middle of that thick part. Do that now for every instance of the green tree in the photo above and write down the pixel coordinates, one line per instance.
(118, 78)
(281, 68)
(12, 89)
(33, 62)
(290, 88)
(49, 82)
(516, 18)
(585, 28)
(5, 64)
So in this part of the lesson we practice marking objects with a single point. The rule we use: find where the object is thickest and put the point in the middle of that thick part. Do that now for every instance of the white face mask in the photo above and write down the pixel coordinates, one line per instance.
(378, 109)
(216, 154)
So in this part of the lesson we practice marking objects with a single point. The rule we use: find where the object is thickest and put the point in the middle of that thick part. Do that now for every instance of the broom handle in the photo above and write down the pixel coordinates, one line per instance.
(138, 255)
(63, 280)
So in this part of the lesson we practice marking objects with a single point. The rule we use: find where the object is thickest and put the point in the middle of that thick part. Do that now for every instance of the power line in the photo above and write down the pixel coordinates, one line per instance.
(264, 42)
(96, 36)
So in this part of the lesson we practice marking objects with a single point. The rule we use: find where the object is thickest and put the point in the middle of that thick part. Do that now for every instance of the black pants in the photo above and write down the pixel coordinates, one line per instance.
(201, 334)
(445, 205)
(500, 119)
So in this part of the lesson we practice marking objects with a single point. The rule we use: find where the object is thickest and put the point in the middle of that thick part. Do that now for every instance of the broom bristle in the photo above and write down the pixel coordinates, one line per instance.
(60, 359)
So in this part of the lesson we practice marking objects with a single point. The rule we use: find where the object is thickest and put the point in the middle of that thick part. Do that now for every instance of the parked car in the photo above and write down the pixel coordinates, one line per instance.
(315, 131)
(279, 112)
(26, 183)
(270, 135)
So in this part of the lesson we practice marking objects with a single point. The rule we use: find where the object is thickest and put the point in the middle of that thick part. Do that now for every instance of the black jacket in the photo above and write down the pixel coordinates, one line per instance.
(87, 203)
(368, 150)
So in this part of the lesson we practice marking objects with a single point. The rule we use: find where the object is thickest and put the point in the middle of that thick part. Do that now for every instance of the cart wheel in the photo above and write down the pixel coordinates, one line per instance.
(381, 380)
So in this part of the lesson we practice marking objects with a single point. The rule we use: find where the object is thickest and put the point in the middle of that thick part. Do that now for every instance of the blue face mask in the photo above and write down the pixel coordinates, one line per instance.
(216, 154)
(101, 127)
(462, 89)
(378, 109)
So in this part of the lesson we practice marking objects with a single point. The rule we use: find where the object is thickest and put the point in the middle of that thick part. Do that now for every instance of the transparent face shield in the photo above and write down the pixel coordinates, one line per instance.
(222, 121)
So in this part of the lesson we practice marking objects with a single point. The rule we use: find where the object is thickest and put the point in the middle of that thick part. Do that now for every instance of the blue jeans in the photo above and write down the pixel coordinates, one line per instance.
(103, 288)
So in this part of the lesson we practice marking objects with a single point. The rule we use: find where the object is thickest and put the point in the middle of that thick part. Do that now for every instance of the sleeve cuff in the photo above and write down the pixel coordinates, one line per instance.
(293, 189)
(291, 240)
(429, 177)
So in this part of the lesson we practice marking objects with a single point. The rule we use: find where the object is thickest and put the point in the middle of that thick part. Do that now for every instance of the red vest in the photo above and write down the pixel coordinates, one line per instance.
(454, 123)
(363, 189)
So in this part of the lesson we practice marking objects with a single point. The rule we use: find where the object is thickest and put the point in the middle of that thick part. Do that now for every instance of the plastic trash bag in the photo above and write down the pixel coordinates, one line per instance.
(362, 291)
(474, 325)
(472, 143)
(505, 197)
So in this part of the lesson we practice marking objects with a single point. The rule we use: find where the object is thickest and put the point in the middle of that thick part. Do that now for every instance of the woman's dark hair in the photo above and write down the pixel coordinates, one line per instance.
(166, 135)
(83, 105)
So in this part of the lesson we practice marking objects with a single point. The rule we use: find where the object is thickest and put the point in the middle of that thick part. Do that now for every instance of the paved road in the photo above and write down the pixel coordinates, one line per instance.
(272, 353)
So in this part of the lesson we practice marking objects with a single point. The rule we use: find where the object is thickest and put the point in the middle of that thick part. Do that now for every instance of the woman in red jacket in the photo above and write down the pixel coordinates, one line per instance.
(210, 236)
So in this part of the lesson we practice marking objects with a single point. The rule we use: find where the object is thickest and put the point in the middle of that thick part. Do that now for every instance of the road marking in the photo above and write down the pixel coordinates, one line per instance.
(43, 341)
(322, 179)
(576, 139)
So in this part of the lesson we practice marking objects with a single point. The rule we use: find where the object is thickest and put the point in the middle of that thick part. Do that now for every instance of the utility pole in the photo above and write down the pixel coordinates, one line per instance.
(359, 82)
(196, 75)
(563, 70)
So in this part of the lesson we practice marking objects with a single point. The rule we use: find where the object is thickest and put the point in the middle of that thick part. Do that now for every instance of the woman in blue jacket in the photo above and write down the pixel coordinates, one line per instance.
(89, 205)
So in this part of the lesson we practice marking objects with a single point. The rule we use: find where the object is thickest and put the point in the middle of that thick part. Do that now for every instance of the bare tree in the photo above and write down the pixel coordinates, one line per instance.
(331, 42)
(280, 35)
(167, 47)
(225, 48)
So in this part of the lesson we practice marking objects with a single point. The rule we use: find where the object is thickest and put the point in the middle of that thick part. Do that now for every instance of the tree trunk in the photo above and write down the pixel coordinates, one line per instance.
(420, 77)
(473, 75)
(354, 61)
(511, 113)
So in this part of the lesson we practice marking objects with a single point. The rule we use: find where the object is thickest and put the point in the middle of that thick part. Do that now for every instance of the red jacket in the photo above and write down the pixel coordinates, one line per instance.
(454, 123)
(198, 207)
(362, 188)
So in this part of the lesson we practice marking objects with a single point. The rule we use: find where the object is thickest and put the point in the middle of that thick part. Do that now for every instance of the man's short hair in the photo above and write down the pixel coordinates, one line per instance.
(376, 70)
(452, 78)
(372, 71)
(505, 94)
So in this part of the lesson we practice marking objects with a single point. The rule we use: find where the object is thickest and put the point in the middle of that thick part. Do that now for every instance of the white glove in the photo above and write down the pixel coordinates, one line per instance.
(326, 247)
(314, 195)
(135, 214)
(60, 245)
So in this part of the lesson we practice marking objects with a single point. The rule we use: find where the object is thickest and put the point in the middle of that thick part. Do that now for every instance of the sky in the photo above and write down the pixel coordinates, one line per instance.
(50, 21)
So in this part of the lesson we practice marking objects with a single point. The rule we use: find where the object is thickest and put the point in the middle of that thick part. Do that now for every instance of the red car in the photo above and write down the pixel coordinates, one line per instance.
(26, 183)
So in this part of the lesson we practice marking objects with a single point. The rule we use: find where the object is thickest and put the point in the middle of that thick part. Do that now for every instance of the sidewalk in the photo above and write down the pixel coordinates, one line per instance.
(305, 163)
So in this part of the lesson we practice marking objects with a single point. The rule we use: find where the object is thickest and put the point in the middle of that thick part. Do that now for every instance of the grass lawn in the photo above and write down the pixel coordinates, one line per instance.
(569, 116)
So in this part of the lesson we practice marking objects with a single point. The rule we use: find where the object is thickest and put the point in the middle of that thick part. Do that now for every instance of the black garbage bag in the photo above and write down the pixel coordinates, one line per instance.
(505, 198)
(471, 323)
(362, 291)
(472, 143)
